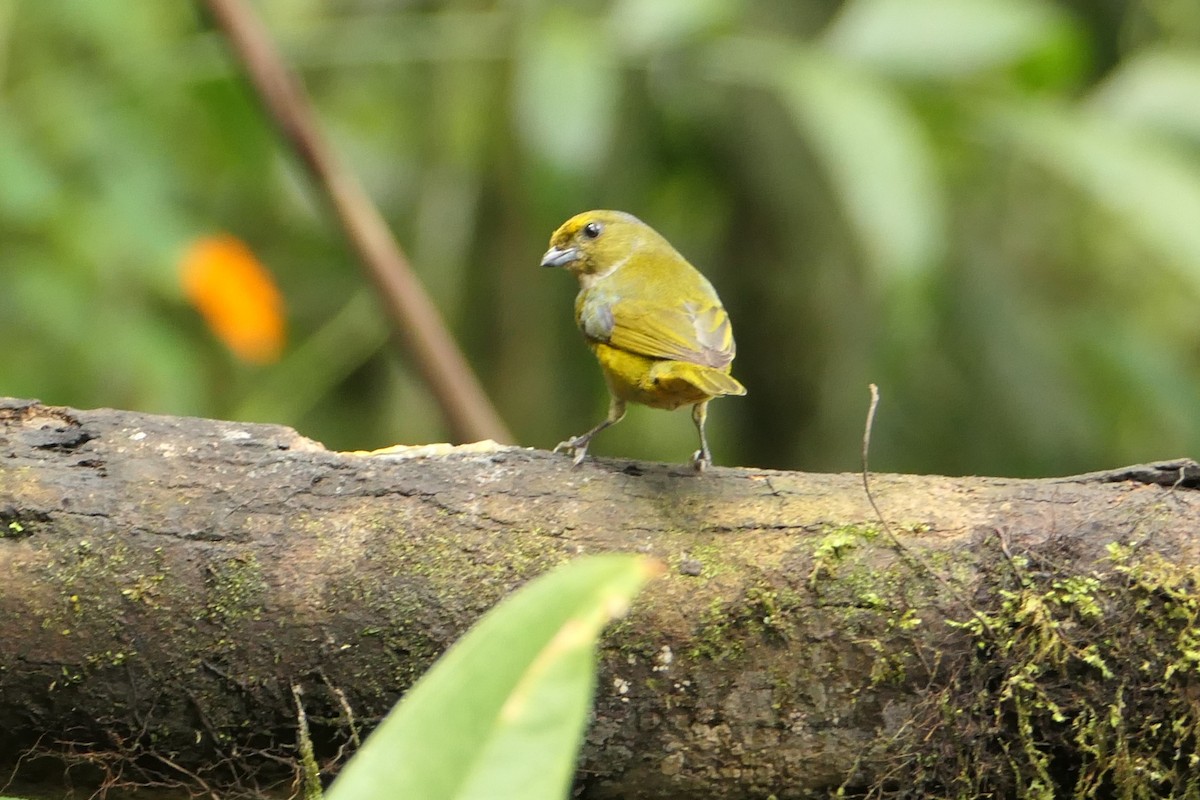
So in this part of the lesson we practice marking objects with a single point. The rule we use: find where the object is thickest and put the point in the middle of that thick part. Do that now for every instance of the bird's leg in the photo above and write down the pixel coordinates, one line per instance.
(702, 458)
(579, 444)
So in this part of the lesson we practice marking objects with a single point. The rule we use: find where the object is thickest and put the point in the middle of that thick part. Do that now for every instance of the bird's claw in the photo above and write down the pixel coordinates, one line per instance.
(701, 461)
(577, 447)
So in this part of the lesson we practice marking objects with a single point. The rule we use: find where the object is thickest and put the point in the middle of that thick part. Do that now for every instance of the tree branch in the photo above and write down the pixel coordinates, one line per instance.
(170, 580)
(421, 328)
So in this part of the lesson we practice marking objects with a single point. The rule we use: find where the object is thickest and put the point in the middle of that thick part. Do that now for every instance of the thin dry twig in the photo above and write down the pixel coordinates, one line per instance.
(420, 326)
(866, 473)
(906, 553)
(196, 779)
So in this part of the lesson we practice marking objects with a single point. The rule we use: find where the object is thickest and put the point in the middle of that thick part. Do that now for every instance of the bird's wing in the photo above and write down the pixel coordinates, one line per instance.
(694, 331)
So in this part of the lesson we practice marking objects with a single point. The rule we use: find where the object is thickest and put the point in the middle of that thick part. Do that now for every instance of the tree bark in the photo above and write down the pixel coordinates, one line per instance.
(168, 581)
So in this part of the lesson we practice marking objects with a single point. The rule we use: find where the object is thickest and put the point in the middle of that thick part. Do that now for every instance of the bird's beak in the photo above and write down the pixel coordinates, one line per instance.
(556, 257)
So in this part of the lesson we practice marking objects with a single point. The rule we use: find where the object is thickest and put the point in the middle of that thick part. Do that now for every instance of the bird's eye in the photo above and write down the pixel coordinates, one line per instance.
(592, 230)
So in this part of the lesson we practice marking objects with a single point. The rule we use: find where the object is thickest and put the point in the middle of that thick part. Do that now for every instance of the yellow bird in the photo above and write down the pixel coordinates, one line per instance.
(656, 325)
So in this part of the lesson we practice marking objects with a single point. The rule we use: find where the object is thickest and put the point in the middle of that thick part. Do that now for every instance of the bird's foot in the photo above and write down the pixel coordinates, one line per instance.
(576, 446)
(701, 461)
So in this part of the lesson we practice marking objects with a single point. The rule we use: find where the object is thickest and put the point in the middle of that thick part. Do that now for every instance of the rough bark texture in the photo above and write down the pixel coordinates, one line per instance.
(167, 581)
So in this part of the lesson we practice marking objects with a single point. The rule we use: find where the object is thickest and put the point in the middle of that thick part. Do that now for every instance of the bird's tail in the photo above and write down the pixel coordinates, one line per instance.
(714, 382)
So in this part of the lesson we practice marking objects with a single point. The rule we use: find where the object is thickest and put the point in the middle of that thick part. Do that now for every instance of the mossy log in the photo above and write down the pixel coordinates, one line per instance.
(168, 581)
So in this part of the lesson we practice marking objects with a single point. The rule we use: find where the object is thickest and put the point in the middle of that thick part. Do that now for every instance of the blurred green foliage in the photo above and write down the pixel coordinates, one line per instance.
(991, 208)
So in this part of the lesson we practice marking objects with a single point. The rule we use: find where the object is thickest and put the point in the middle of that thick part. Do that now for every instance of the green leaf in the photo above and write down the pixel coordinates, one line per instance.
(566, 87)
(942, 38)
(648, 28)
(1157, 89)
(1151, 187)
(875, 152)
(878, 159)
(502, 713)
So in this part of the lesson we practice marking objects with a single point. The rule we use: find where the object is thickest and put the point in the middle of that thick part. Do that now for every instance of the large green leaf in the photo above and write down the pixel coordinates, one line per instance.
(649, 28)
(879, 159)
(941, 38)
(874, 150)
(502, 713)
(1158, 89)
(1151, 187)
(566, 88)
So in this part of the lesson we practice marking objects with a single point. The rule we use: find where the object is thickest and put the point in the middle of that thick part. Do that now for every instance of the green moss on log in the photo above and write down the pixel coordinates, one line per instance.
(1069, 685)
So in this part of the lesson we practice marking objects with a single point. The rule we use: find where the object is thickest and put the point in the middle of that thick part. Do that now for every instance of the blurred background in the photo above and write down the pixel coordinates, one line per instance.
(990, 208)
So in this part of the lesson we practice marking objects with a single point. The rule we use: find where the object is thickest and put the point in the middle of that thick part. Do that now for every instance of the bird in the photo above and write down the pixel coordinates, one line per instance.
(652, 320)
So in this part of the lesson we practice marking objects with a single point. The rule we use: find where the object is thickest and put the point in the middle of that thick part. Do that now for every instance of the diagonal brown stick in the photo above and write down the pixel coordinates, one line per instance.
(421, 328)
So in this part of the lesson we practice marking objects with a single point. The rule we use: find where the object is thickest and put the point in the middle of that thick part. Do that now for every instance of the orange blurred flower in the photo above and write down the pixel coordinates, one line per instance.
(236, 295)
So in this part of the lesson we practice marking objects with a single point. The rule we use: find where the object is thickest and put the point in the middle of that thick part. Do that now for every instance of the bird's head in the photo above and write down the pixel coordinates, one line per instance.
(595, 243)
